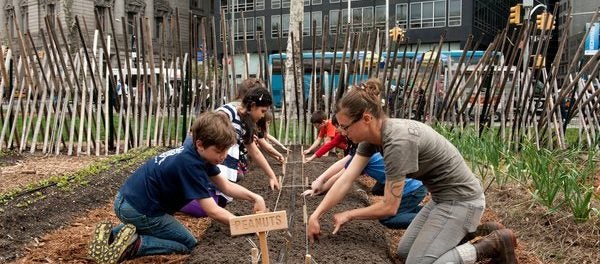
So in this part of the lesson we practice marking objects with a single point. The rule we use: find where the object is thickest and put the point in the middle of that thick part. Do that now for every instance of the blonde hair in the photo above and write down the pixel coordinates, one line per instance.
(214, 129)
(363, 98)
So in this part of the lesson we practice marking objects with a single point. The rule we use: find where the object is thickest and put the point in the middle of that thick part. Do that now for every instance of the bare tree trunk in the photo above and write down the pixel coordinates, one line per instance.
(296, 16)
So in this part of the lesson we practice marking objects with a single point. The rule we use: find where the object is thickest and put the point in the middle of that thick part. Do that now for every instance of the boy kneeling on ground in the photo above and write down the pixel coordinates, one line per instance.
(164, 184)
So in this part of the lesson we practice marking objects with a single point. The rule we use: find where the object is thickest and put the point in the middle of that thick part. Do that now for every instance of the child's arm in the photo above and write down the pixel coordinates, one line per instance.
(318, 185)
(276, 142)
(314, 145)
(215, 211)
(264, 144)
(236, 191)
(258, 157)
(328, 146)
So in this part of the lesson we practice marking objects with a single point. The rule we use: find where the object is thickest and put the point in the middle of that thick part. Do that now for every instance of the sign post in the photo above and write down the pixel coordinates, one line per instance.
(259, 223)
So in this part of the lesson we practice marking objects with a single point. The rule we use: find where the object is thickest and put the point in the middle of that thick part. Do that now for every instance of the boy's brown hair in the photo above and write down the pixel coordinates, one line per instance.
(317, 117)
(214, 129)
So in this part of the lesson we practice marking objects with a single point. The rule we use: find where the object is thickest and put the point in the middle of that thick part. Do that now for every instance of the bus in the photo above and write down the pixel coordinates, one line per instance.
(331, 80)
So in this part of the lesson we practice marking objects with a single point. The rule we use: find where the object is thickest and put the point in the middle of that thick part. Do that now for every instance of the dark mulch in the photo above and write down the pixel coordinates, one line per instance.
(29, 217)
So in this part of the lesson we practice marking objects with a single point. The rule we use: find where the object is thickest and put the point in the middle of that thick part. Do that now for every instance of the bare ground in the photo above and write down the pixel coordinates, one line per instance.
(54, 225)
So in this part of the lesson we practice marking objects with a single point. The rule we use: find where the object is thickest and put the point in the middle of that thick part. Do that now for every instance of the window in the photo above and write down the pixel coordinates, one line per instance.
(277, 4)
(333, 21)
(10, 16)
(362, 18)
(454, 13)
(402, 15)
(158, 23)
(380, 17)
(428, 14)
(242, 5)
(103, 17)
(24, 18)
(306, 26)
(51, 12)
(317, 2)
(250, 25)
(260, 26)
(280, 24)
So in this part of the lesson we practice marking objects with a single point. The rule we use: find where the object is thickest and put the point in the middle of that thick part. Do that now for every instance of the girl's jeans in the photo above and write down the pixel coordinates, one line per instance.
(160, 234)
(437, 230)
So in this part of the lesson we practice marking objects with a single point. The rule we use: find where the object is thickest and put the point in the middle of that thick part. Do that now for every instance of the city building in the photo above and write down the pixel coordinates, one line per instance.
(581, 14)
(29, 15)
(423, 21)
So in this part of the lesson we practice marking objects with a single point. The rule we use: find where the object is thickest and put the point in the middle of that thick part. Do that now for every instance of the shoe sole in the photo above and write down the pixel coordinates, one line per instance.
(100, 240)
(122, 240)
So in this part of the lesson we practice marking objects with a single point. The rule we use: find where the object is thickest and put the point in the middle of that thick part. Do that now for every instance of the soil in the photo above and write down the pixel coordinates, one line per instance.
(55, 224)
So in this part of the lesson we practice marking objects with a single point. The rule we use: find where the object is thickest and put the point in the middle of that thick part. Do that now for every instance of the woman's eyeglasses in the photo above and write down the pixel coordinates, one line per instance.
(346, 127)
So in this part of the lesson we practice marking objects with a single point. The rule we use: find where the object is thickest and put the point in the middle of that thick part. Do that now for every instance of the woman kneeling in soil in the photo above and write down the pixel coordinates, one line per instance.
(412, 195)
(148, 198)
(413, 149)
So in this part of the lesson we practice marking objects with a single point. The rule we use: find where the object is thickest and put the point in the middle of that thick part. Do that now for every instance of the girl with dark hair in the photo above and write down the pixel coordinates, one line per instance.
(413, 149)
(243, 118)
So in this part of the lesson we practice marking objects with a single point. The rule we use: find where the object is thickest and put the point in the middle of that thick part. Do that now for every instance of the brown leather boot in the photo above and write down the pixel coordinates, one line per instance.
(498, 245)
(482, 230)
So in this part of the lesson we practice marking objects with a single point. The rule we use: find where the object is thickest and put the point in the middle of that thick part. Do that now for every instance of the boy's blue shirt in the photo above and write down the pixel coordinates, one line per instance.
(167, 182)
(376, 169)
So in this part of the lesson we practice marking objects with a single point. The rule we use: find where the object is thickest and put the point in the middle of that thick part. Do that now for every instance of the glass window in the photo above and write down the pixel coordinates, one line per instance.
(439, 14)
(380, 17)
(333, 21)
(24, 18)
(260, 5)
(415, 15)
(428, 14)
(402, 15)
(306, 23)
(318, 17)
(275, 4)
(367, 18)
(306, 26)
(260, 26)
(317, 2)
(278, 20)
(454, 13)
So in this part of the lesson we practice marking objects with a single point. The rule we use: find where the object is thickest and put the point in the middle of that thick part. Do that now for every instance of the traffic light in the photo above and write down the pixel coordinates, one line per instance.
(396, 34)
(545, 21)
(539, 62)
(515, 15)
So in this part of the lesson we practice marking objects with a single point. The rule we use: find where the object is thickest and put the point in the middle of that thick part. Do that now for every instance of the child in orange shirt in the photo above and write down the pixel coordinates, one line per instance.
(326, 130)
(339, 140)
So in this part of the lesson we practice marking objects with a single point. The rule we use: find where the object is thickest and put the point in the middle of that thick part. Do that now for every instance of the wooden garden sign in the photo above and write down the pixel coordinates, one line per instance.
(259, 223)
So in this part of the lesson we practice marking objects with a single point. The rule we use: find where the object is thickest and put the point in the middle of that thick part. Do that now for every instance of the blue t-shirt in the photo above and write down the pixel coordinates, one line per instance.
(167, 182)
(376, 169)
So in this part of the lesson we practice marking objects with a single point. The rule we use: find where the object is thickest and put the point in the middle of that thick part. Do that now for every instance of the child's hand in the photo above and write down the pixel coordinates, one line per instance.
(306, 152)
(308, 192)
(280, 158)
(259, 204)
(309, 159)
(274, 183)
